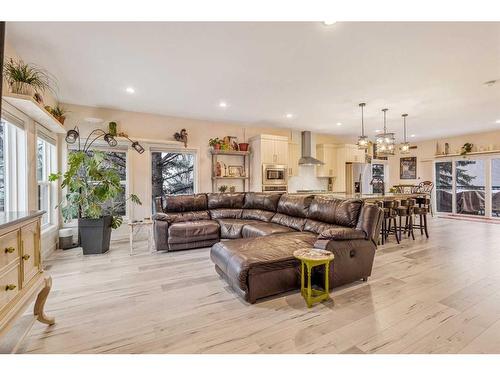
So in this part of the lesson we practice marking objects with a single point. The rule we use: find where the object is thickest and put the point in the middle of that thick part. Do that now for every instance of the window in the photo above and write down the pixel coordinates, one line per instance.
(172, 173)
(46, 164)
(444, 186)
(470, 187)
(118, 161)
(13, 185)
(495, 187)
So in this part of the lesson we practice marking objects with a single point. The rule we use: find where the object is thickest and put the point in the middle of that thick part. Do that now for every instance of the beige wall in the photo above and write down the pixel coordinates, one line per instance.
(426, 150)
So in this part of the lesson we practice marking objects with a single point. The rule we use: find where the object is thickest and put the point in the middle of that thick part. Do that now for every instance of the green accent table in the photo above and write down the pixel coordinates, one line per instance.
(310, 258)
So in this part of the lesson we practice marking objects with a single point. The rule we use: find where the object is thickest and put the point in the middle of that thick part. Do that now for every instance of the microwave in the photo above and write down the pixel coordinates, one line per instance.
(274, 174)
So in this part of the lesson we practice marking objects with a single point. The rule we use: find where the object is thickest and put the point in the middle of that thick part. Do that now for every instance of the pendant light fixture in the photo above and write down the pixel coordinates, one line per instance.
(385, 141)
(404, 148)
(362, 139)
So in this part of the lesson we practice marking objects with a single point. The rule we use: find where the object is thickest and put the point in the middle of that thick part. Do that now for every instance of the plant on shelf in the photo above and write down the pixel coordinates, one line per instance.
(215, 143)
(223, 188)
(91, 185)
(466, 148)
(25, 79)
(58, 112)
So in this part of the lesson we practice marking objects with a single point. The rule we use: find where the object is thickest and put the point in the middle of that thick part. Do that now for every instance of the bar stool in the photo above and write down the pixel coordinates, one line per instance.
(405, 210)
(421, 210)
(389, 224)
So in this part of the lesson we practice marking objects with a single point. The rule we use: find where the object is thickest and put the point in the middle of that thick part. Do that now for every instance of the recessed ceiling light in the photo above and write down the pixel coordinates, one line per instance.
(413, 135)
(289, 115)
(339, 123)
(329, 23)
(497, 121)
(130, 90)
(378, 131)
(222, 104)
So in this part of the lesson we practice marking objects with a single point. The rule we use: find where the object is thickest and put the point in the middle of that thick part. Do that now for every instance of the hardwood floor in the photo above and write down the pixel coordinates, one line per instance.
(438, 295)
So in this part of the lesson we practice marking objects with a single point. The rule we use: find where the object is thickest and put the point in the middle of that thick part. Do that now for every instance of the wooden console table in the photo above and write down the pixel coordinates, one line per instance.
(21, 273)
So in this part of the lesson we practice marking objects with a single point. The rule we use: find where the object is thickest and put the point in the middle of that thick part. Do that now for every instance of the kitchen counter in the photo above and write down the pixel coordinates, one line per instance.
(367, 197)
(13, 217)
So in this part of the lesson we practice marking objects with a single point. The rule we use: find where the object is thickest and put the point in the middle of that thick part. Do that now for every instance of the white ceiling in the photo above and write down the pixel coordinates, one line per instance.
(433, 71)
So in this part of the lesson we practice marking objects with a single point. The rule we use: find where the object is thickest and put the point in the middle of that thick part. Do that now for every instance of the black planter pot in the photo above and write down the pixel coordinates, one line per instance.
(95, 235)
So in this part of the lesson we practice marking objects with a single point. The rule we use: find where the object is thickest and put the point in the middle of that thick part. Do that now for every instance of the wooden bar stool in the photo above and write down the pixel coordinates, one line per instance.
(405, 210)
(389, 224)
(421, 210)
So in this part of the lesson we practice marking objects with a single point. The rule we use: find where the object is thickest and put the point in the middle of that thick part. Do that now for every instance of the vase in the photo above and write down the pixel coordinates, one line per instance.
(243, 146)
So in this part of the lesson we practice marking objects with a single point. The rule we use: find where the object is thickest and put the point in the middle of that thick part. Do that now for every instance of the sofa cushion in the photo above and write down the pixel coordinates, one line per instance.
(244, 258)
(294, 205)
(335, 211)
(226, 213)
(262, 201)
(257, 215)
(260, 229)
(184, 203)
(225, 200)
(293, 222)
(318, 226)
(177, 217)
(193, 231)
(231, 228)
(342, 234)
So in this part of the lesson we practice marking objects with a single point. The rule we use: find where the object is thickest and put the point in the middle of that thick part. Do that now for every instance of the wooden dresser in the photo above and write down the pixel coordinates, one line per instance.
(21, 273)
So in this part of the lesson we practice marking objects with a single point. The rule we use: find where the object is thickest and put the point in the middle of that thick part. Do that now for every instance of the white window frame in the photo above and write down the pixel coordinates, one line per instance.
(49, 166)
(174, 149)
(16, 171)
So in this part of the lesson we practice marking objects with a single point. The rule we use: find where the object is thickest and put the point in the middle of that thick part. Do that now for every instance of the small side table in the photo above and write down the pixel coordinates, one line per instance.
(310, 258)
(134, 227)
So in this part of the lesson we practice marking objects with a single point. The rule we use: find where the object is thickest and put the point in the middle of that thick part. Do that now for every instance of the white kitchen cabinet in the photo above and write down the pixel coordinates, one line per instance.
(354, 154)
(327, 154)
(293, 159)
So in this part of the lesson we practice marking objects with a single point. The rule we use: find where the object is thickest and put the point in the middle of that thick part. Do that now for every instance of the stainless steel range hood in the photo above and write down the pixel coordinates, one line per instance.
(306, 158)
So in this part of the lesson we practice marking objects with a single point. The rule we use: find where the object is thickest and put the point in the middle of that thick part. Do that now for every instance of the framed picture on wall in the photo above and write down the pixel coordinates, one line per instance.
(408, 168)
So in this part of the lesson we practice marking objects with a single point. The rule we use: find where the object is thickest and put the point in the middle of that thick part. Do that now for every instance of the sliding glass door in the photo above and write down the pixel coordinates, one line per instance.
(495, 187)
(470, 187)
(444, 186)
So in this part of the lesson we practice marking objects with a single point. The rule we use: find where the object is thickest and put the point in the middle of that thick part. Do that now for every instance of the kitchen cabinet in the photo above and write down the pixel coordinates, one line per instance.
(293, 159)
(354, 154)
(327, 153)
(266, 149)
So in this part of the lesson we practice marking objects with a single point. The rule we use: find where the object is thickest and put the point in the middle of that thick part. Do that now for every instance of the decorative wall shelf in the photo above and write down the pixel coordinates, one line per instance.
(230, 178)
(35, 111)
(245, 156)
(468, 154)
(231, 152)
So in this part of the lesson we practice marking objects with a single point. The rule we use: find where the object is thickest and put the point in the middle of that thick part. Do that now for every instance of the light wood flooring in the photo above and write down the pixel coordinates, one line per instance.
(439, 295)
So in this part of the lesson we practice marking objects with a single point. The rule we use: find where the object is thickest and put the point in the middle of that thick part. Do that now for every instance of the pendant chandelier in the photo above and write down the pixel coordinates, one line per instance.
(385, 141)
(362, 139)
(404, 148)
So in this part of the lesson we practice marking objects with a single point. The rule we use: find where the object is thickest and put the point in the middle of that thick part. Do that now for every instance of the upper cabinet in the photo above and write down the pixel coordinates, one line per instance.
(293, 159)
(327, 154)
(354, 154)
(271, 149)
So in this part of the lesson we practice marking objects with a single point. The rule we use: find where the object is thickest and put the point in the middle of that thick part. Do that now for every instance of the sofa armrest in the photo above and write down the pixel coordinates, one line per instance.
(343, 234)
(370, 221)
(160, 233)
(163, 217)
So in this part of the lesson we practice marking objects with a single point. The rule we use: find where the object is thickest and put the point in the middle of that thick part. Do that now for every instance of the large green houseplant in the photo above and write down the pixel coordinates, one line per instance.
(90, 185)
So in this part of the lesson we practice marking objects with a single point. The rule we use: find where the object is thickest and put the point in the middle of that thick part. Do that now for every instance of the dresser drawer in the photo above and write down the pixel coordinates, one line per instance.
(29, 251)
(9, 248)
(9, 285)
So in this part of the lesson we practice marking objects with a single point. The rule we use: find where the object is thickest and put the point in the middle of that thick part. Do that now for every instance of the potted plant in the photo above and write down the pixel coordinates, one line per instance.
(59, 113)
(215, 143)
(91, 185)
(223, 188)
(244, 145)
(25, 79)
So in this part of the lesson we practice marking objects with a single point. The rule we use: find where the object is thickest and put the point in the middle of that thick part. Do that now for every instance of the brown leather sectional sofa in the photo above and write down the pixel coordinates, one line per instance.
(262, 232)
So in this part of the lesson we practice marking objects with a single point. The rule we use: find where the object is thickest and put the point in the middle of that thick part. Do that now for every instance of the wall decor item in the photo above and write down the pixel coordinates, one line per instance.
(235, 171)
(182, 136)
(466, 148)
(408, 168)
(446, 148)
(232, 189)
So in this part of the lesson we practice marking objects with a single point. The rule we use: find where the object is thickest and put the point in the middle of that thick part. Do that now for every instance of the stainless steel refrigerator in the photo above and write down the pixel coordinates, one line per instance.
(357, 178)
